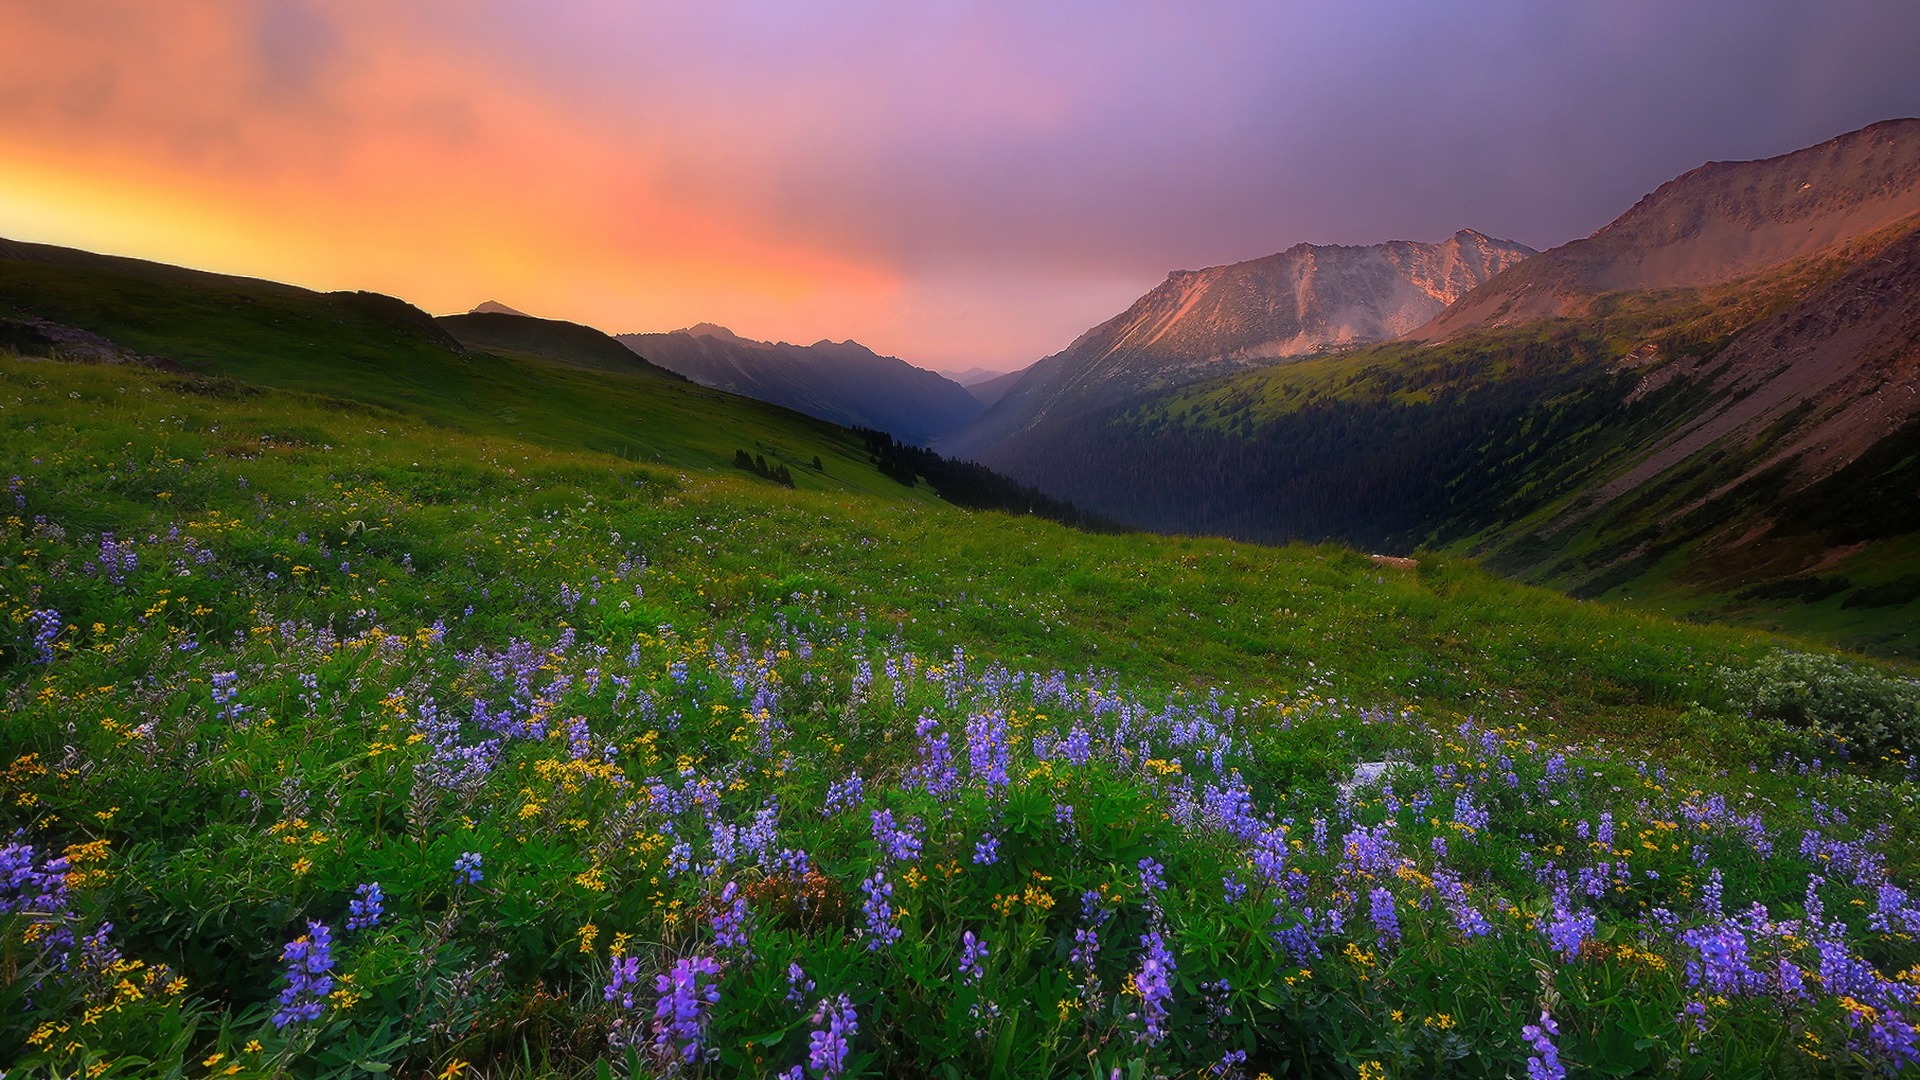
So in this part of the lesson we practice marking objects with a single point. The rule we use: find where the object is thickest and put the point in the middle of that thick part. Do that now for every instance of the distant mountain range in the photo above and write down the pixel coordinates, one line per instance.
(840, 381)
(1712, 403)
(1204, 323)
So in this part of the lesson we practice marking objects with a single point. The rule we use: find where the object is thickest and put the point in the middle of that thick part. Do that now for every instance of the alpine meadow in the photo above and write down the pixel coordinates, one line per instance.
(1486, 658)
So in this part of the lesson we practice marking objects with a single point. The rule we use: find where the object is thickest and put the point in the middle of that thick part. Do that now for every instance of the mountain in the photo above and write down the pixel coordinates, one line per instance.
(1203, 323)
(973, 375)
(839, 381)
(988, 391)
(1669, 411)
(494, 307)
(1721, 221)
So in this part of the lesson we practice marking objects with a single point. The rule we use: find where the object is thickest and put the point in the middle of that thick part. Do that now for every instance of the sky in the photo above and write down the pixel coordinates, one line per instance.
(956, 183)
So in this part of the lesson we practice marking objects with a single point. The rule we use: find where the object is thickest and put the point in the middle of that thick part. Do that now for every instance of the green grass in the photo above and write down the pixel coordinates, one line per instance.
(376, 351)
(251, 609)
(349, 568)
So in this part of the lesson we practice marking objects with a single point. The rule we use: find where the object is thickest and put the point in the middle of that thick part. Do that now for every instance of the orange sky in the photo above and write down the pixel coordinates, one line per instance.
(956, 183)
(386, 168)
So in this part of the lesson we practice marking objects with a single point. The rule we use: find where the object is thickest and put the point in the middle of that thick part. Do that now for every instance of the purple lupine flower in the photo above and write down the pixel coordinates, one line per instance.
(680, 1017)
(622, 977)
(1385, 916)
(1816, 909)
(1152, 876)
(880, 930)
(1790, 981)
(973, 953)
(799, 987)
(309, 958)
(987, 750)
(898, 844)
(936, 773)
(679, 859)
(46, 627)
(1154, 981)
(1894, 1040)
(827, 1045)
(1568, 928)
(1722, 967)
(118, 559)
(1086, 939)
(987, 851)
(1230, 1064)
(368, 904)
(731, 927)
(466, 869)
(1232, 889)
(1710, 896)
(843, 795)
(226, 691)
(1544, 1062)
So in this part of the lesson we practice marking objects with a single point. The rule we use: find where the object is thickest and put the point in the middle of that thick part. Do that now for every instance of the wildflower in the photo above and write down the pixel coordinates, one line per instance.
(827, 1045)
(973, 952)
(1232, 889)
(46, 627)
(1154, 981)
(987, 750)
(368, 904)
(1386, 917)
(1722, 967)
(879, 912)
(843, 795)
(680, 1018)
(309, 958)
(798, 985)
(226, 691)
(1544, 1062)
(1567, 929)
(895, 843)
(621, 979)
(1152, 876)
(987, 851)
(730, 922)
(466, 869)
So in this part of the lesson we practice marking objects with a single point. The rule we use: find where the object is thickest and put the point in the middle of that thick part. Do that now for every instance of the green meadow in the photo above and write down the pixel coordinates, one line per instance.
(397, 708)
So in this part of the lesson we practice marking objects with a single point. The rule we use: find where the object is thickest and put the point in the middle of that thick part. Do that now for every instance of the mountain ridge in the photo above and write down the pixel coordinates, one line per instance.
(1714, 223)
(1203, 323)
(839, 381)
(1738, 439)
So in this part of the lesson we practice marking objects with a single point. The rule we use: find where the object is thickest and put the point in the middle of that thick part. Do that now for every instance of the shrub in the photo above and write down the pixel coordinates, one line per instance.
(1863, 707)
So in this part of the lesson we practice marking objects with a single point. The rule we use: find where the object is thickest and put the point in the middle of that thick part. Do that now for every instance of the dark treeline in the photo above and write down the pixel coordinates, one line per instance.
(974, 486)
(1374, 472)
(757, 464)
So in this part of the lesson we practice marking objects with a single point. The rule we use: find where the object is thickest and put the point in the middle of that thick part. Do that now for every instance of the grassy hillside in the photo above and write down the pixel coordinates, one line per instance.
(374, 350)
(544, 339)
(344, 741)
(1494, 443)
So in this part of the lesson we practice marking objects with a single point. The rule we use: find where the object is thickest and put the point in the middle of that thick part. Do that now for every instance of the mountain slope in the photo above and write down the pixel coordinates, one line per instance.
(990, 390)
(1745, 448)
(375, 353)
(841, 381)
(1721, 221)
(1202, 323)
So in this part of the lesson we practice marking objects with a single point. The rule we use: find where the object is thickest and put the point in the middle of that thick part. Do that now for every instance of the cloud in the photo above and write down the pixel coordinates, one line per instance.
(953, 181)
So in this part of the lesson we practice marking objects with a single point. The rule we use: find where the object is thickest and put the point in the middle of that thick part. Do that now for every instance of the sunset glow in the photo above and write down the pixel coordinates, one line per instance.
(968, 185)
